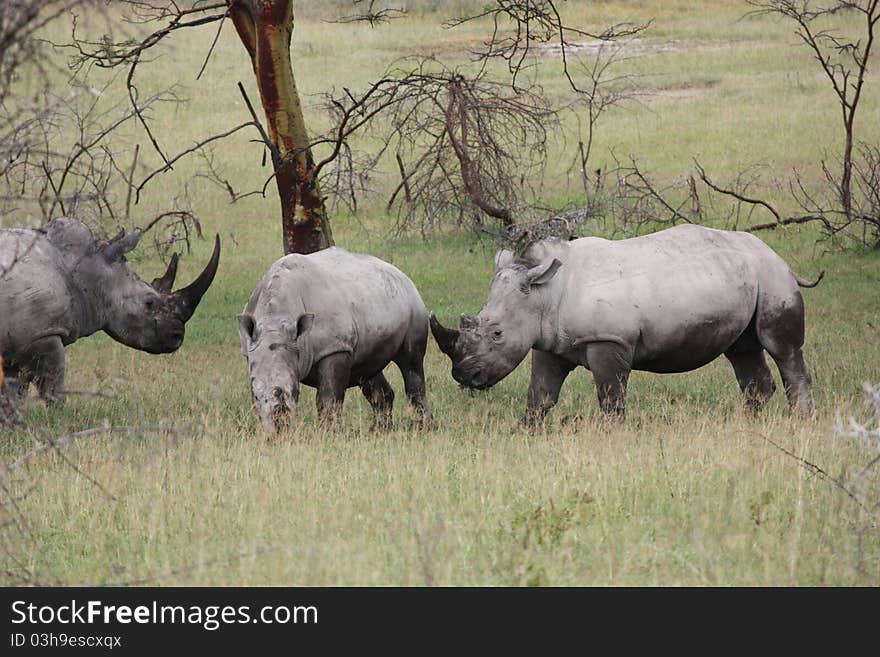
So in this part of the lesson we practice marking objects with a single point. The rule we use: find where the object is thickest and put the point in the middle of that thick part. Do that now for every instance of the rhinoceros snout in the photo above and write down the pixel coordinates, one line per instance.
(277, 413)
(175, 339)
(469, 376)
(281, 417)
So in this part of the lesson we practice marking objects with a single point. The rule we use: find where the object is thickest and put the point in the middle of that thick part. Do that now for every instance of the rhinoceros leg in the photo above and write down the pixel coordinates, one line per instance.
(381, 397)
(414, 384)
(333, 374)
(48, 358)
(610, 364)
(411, 363)
(780, 329)
(15, 384)
(797, 382)
(549, 372)
(753, 375)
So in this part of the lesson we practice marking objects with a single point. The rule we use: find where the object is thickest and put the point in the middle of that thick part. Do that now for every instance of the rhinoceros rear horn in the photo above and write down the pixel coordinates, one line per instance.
(468, 322)
(189, 297)
(165, 282)
(445, 337)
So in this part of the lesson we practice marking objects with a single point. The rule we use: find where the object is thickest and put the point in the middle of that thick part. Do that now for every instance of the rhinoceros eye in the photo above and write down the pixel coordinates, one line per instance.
(496, 335)
(150, 304)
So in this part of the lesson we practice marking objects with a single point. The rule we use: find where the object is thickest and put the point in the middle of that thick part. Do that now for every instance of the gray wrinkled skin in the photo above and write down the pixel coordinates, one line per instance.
(333, 320)
(60, 283)
(671, 301)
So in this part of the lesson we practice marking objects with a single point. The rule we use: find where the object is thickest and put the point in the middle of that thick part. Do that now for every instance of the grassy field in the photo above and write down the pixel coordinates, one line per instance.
(688, 490)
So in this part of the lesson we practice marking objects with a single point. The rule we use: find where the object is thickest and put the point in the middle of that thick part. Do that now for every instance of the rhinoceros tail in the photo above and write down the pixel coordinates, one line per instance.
(804, 283)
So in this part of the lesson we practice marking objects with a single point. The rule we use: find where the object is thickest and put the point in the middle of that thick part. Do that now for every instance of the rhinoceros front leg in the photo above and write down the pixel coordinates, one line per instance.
(15, 384)
(48, 367)
(549, 372)
(412, 369)
(381, 397)
(333, 374)
(610, 364)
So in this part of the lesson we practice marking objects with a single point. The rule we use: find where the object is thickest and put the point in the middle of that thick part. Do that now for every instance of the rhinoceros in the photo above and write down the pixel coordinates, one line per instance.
(333, 320)
(671, 301)
(60, 283)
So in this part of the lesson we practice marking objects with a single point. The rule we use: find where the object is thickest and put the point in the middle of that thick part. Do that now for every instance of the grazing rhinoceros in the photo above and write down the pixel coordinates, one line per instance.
(60, 283)
(671, 301)
(333, 320)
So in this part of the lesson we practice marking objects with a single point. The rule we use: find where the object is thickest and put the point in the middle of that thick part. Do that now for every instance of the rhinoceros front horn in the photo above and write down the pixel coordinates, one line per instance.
(188, 297)
(445, 337)
(165, 282)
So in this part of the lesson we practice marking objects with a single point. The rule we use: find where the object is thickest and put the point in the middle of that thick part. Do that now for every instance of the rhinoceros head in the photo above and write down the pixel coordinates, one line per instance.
(487, 347)
(273, 349)
(146, 316)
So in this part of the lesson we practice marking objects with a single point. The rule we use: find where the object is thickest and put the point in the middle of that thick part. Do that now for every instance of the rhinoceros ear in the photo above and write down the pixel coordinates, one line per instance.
(304, 323)
(121, 244)
(503, 258)
(542, 273)
(247, 328)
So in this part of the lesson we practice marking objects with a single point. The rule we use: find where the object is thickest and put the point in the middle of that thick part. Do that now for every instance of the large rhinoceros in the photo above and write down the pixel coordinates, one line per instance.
(670, 301)
(60, 283)
(333, 320)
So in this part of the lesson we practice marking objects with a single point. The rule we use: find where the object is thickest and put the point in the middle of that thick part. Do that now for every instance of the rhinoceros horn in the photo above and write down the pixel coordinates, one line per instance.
(445, 337)
(165, 282)
(468, 322)
(188, 298)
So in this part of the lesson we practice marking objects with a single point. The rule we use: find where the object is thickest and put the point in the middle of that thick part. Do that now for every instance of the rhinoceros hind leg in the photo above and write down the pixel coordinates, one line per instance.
(797, 382)
(753, 375)
(333, 374)
(781, 333)
(549, 372)
(381, 397)
(610, 364)
(48, 358)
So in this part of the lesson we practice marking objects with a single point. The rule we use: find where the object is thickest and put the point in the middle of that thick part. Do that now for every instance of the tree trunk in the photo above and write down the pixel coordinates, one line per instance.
(265, 28)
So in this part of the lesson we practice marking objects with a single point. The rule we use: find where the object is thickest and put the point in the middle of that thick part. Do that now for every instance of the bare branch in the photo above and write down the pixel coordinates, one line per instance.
(371, 13)
(738, 196)
(522, 28)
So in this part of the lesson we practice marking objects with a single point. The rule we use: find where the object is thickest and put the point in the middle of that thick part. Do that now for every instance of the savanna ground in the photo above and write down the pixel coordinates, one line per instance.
(688, 490)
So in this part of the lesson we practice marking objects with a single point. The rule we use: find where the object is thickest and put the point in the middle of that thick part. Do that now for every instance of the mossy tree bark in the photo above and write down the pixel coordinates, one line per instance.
(265, 27)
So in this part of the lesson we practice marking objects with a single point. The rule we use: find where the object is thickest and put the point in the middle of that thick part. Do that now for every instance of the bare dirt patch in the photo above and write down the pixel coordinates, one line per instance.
(630, 47)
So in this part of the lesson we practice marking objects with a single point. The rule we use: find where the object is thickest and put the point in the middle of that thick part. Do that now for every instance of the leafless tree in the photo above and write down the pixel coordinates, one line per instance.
(851, 205)
(523, 28)
(843, 60)
(457, 141)
(600, 87)
(58, 155)
(454, 129)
